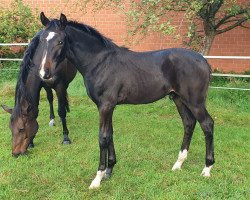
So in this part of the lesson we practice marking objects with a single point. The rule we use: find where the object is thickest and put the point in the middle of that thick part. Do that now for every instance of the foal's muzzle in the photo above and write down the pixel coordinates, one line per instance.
(47, 74)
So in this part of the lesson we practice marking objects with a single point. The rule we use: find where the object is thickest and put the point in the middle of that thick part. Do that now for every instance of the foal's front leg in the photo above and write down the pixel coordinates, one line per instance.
(106, 145)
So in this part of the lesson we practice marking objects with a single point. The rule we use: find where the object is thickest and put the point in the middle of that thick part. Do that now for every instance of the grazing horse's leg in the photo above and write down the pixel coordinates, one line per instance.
(61, 92)
(207, 125)
(50, 99)
(189, 122)
(106, 144)
(31, 144)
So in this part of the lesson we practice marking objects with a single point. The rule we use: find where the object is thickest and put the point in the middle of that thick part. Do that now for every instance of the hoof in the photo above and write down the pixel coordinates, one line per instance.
(94, 186)
(31, 145)
(66, 142)
(97, 181)
(107, 176)
(52, 122)
(108, 173)
(206, 171)
(177, 166)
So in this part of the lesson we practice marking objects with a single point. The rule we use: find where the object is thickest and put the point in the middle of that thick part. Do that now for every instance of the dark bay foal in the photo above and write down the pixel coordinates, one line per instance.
(115, 75)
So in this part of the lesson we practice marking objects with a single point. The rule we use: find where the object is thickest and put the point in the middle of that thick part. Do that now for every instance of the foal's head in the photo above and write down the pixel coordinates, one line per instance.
(23, 126)
(52, 46)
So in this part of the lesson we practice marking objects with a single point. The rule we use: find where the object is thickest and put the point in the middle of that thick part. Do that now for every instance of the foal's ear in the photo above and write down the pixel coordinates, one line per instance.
(7, 109)
(63, 21)
(44, 19)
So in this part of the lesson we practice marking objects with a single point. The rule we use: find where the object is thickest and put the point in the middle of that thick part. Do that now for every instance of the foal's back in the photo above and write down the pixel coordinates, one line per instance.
(148, 76)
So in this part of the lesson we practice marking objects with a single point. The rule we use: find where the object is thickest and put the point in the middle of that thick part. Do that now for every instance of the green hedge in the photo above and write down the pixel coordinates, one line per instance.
(17, 24)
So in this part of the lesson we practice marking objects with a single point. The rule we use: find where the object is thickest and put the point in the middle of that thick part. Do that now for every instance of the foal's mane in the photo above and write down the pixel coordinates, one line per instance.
(93, 32)
(25, 66)
(87, 29)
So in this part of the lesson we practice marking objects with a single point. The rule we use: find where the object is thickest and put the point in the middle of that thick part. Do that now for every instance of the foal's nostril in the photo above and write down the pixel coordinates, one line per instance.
(47, 74)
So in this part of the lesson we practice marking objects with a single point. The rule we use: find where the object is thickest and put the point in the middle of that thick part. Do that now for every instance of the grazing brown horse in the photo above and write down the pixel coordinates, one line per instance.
(23, 123)
(115, 75)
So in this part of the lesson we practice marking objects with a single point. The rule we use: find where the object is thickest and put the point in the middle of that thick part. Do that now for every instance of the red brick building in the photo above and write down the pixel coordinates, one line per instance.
(112, 24)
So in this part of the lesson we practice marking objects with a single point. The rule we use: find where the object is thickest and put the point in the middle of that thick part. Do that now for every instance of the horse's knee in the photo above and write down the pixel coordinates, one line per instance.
(208, 126)
(189, 125)
(104, 140)
(62, 112)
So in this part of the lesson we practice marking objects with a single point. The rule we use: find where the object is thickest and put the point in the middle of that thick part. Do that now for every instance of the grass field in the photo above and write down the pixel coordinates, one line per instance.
(147, 140)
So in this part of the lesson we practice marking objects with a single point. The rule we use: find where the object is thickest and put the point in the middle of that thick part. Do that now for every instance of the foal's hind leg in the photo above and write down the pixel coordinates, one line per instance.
(50, 99)
(207, 125)
(189, 124)
(61, 92)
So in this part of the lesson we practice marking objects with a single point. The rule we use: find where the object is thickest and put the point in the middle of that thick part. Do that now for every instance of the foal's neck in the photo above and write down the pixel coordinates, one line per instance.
(83, 49)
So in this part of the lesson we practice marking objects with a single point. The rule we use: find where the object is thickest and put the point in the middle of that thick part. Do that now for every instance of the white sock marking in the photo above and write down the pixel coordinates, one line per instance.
(52, 122)
(181, 158)
(97, 181)
(206, 171)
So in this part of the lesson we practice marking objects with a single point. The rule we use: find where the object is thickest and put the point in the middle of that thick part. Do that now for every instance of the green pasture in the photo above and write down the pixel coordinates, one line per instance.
(147, 140)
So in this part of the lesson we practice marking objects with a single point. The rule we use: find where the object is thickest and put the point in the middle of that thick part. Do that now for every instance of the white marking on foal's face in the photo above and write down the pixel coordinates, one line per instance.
(48, 38)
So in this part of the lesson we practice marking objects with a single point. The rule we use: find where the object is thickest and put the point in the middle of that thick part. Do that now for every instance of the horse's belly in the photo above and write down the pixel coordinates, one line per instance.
(144, 93)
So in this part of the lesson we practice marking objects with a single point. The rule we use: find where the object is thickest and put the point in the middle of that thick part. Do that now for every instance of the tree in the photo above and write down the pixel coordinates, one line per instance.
(205, 18)
(17, 24)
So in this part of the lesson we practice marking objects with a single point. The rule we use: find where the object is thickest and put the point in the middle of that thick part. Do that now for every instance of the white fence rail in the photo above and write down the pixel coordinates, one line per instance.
(14, 44)
(207, 57)
(228, 57)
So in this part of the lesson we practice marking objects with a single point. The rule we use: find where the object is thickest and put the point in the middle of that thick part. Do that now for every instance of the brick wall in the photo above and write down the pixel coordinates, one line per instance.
(112, 24)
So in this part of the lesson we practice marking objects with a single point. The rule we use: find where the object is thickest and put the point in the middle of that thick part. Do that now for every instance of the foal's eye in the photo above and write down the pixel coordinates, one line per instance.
(60, 43)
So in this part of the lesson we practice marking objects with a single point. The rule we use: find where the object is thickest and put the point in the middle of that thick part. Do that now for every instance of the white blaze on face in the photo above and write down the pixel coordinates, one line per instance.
(48, 38)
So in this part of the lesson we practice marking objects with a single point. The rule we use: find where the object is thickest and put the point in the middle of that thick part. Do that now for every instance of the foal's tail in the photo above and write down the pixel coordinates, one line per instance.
(210, 75)
(210, 71)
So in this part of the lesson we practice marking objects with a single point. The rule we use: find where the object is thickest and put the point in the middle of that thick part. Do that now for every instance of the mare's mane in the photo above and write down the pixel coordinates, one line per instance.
(25, 66)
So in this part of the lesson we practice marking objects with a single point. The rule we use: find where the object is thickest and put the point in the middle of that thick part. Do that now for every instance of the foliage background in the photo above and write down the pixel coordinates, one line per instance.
(17, 24)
